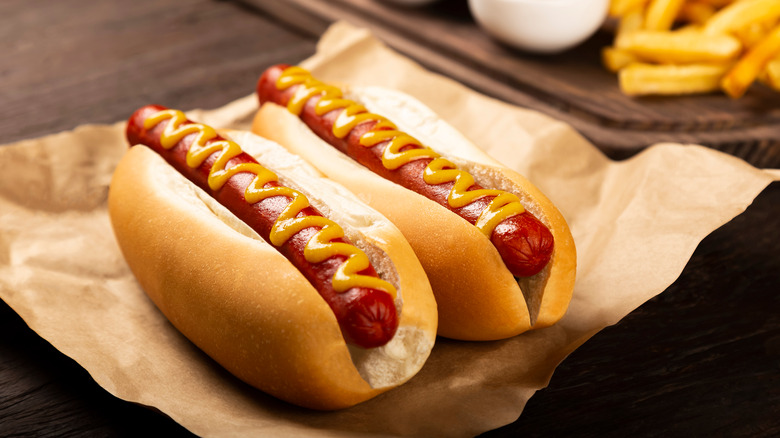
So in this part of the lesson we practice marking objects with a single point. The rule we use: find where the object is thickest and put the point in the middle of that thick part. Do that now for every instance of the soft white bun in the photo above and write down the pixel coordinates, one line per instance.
(477, 296)
(248, 307)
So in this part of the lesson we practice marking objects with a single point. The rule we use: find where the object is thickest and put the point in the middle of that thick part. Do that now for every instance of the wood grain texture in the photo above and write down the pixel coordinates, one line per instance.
(703, 358)
(66, 63)
(572, 86)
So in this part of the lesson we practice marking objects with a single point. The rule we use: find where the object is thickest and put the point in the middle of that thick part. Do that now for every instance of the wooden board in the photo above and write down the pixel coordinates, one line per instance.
(66, 63)
(572, 86)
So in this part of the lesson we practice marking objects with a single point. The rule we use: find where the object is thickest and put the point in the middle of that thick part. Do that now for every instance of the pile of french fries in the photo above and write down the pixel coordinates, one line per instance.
(672, 47)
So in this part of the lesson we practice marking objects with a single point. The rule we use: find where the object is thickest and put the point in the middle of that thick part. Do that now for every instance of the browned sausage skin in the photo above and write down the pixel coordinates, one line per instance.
(367, 316)
(524, 243)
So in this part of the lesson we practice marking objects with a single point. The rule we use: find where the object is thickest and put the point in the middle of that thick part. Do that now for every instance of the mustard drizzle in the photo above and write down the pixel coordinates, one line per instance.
(319, 248)
(438, 171)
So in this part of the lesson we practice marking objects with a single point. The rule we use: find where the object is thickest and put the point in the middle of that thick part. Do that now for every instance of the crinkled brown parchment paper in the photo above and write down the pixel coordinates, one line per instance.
(636, 223)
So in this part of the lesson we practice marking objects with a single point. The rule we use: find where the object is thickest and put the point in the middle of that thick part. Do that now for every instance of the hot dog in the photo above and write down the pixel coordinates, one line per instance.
(322, 310)
(512, 262)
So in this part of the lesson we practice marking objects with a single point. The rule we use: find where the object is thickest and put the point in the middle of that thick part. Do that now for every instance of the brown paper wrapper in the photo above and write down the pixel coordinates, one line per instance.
(636, 223)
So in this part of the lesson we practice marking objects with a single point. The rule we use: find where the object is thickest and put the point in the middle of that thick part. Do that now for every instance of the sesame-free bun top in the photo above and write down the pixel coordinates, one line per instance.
(243, 303)
(477, 296)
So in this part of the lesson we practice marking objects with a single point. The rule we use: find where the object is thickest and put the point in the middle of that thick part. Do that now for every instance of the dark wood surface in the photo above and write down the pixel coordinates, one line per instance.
(701, 359)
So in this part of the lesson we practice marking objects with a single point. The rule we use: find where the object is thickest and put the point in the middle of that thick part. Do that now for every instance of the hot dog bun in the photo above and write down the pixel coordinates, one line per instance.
(243, 303)
(478, 298)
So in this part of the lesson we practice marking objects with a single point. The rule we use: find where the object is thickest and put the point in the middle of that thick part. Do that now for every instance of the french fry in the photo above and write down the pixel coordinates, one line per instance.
(631, 21)
(615, 59)
(723, 45)
(718, 3)
(648, 79)
(772, 73)
(740, 14)
(694, 28)
(679, 47)
(618, 8)
(696, 12)
(661, 14)
(753, 33)
(745, 71)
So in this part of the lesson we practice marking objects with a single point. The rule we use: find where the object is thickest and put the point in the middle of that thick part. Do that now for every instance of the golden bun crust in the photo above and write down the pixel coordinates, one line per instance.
(245, 305)
(478, 298)
(548, 294)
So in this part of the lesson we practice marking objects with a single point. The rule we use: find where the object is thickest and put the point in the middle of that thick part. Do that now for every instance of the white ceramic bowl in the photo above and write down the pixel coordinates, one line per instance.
(542, 26)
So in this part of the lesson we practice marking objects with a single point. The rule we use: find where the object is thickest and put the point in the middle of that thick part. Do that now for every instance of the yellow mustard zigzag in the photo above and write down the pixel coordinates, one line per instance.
(319, 248)
(439, 170)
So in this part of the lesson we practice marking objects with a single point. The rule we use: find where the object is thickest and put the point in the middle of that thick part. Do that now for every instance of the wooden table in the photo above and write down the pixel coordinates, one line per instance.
(703, 358)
